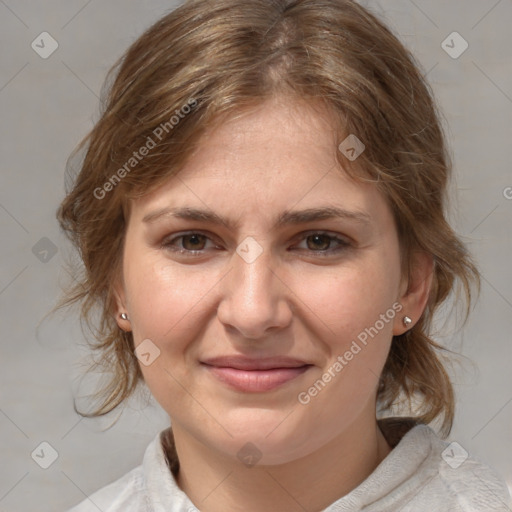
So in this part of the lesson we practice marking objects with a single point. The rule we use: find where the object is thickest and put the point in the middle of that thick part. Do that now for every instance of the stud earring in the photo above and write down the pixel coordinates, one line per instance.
(407, 321)
(124, 316)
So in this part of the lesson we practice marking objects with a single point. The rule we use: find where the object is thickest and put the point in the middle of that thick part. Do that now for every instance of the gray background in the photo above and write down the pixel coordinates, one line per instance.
(48, 105)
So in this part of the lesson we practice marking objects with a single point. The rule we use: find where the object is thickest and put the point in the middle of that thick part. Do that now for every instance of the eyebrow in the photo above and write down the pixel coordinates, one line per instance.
(287, 217)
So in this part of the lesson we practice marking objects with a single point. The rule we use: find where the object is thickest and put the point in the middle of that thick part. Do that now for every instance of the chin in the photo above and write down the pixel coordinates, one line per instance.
(269, 436)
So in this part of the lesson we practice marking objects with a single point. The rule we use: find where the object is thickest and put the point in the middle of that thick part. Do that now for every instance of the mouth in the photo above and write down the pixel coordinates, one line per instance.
(255, 375)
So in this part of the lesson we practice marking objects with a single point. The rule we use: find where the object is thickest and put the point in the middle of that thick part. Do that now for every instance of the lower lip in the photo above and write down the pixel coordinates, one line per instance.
(255, 381)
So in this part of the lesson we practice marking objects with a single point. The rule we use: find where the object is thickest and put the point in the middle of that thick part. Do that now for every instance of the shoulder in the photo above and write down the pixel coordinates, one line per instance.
(150, 486)
(453, 479)
(125, 494)
(135, 490)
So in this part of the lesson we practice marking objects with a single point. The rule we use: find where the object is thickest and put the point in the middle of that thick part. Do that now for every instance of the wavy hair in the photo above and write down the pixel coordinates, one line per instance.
(222, 56)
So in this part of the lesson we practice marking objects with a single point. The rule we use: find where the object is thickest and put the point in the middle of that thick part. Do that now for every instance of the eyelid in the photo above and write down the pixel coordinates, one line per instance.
(169, 240)
(343, 241)
(333, 234)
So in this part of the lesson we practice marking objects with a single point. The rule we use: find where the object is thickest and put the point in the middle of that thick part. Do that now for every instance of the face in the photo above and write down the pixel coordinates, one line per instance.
(268, 283)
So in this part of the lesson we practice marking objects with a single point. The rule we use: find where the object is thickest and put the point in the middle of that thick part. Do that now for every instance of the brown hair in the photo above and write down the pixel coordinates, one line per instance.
(222, 56)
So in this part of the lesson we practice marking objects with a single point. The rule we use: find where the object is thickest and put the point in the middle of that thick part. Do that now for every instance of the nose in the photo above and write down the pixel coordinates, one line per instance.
(255, 300)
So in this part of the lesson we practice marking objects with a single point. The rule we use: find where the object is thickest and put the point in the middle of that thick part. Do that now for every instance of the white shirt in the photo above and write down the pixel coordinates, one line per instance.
(414, 477)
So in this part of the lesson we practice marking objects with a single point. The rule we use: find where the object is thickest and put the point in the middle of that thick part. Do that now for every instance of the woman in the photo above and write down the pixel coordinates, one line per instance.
(260, 214)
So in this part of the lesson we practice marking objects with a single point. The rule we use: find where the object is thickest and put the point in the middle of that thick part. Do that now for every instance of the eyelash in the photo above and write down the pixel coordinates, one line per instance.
(169, 244)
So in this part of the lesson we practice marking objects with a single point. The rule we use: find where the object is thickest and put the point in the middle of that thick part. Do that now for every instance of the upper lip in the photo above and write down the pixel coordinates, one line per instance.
(248, 363)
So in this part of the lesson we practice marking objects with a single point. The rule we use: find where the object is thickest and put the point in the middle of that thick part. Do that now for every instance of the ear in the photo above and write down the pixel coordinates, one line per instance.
(414, 291)
(120, 305)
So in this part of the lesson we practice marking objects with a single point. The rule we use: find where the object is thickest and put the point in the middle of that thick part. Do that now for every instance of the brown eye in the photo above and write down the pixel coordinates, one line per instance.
(189, 244)
(319, 242)
(194, 242)
(323, 244)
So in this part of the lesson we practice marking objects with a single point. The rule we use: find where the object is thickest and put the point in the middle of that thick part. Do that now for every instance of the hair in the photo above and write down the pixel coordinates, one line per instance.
(210, 59)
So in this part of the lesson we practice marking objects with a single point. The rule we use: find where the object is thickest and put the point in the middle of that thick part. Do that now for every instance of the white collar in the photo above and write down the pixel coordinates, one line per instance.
(398, 469)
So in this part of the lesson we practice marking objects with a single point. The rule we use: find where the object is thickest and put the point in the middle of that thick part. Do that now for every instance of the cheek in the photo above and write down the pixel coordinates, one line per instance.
(166, 304)
(350, 299)
(358, 309)
(167, 301)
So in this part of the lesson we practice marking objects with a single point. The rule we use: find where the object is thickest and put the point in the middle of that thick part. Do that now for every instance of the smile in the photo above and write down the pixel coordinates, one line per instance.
(256, 381)
(255, 375)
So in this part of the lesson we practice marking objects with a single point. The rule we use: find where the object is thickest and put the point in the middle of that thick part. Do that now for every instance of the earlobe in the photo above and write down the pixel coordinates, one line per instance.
(415, 292)
(121, 311)
(124, 322)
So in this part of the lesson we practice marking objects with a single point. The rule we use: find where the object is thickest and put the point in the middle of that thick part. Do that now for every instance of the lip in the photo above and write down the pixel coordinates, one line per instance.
(255, 375)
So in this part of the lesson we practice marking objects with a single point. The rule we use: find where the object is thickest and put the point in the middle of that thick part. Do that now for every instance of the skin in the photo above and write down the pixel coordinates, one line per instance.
(295, 299)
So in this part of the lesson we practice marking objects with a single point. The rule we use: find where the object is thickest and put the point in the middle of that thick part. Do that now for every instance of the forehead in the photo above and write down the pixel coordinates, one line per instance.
(271, 158)
(267, 137)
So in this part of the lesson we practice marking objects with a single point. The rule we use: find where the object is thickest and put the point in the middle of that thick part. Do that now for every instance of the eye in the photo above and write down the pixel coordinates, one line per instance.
(322, 243)
(188, 243)
(197, 243)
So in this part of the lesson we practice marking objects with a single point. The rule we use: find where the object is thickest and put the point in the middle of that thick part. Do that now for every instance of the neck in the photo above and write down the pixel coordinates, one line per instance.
(215, 482)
